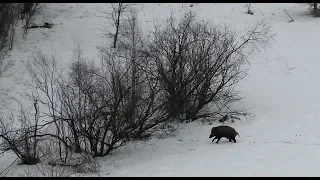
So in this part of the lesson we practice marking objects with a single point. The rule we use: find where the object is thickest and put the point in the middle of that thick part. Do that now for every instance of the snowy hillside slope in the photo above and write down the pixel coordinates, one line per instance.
(281, 90)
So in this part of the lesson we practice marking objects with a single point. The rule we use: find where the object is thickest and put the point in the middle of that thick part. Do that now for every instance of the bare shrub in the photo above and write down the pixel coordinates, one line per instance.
(116, 101)
(47, 82)
(88, 109)
(139, 110)
(84, 100)
(79, 163)
(23, 141)
(43, 170)
(73, 104)
(167, 129)
(87, 164)
(76, 107)
(198, 65)
(5, 63)
(76, 111)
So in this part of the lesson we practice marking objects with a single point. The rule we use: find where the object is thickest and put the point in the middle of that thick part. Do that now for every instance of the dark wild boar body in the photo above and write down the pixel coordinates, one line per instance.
(224, 131)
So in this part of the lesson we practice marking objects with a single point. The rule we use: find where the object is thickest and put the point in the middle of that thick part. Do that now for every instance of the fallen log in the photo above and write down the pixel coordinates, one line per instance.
(45, 25)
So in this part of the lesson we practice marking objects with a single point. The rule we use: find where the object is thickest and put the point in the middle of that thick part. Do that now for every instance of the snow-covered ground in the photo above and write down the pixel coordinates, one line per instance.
(281, 90)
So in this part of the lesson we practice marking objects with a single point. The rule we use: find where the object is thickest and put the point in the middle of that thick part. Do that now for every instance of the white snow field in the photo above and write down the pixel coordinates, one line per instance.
(281, 90)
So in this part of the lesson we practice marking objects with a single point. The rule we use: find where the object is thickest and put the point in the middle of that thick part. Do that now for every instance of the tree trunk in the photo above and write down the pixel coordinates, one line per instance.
(117, 25)
(315, 10)
(27, 8)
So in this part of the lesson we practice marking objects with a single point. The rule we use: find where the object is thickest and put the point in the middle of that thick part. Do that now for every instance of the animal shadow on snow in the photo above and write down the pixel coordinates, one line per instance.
(223, 141)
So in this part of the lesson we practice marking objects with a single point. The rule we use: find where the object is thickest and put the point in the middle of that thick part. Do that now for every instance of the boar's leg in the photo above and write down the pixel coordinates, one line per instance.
(214, 138)
(234, 140)
(218, 139)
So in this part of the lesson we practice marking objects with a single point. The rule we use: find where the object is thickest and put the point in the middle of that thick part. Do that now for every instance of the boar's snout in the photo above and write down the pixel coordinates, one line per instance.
(212, 133)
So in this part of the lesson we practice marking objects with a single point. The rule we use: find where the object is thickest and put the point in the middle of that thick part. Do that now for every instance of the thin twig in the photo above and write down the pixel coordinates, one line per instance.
(1, 173)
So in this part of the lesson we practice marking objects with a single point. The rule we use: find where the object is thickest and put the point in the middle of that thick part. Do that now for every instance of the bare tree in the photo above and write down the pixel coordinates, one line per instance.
(198, 65)
(10, 14)
(28, 14)
(313, 7)
(118, 10)
(249, 10)
(8, 20)
(315, 10)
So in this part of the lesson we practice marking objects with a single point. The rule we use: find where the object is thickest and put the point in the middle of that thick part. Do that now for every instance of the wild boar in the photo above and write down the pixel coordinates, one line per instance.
(224, 131)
